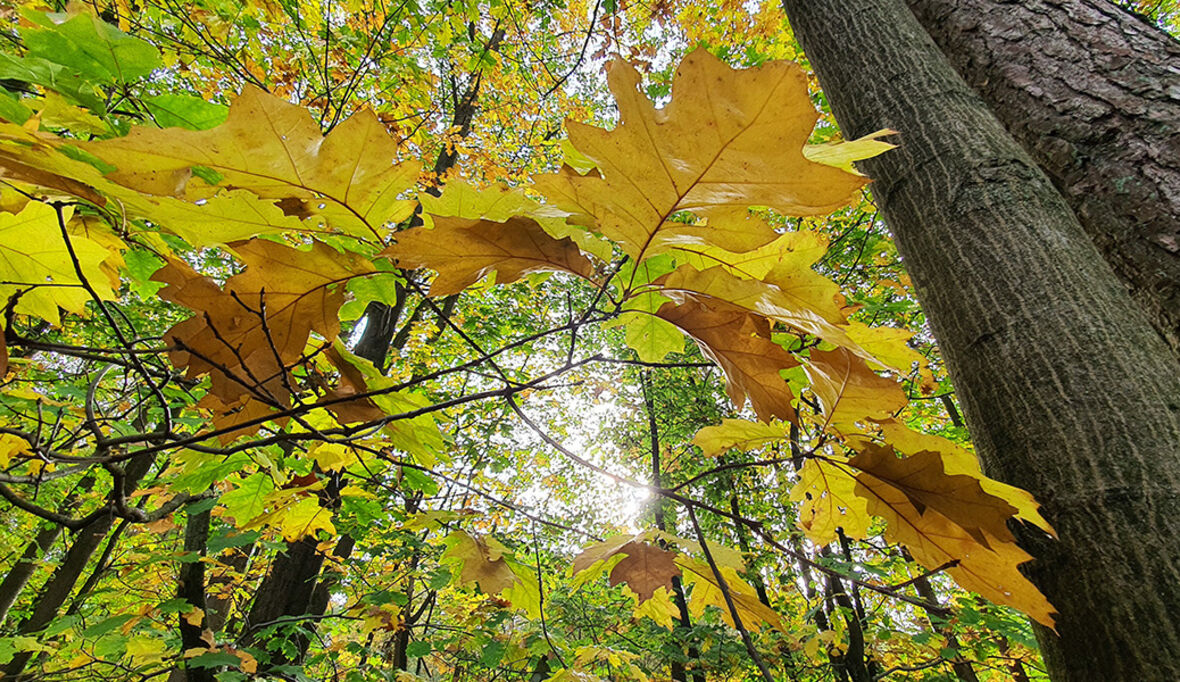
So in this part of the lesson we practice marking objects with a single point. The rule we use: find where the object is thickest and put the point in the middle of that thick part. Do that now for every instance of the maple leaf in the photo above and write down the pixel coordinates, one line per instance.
(739, 342)
(482, 562)
(728, 139)
(464, 250)
(645, 568)
(960, 498)
(274, 149)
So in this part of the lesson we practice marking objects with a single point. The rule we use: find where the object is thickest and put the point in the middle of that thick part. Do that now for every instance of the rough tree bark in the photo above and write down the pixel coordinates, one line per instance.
(1092, 93)
(1067, 389)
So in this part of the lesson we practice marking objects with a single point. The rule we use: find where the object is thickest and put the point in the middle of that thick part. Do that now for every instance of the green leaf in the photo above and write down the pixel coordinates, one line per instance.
(185, 111)
(92, 48)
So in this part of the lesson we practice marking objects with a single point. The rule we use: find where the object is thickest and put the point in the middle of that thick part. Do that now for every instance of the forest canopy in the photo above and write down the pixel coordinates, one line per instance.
(474, 341)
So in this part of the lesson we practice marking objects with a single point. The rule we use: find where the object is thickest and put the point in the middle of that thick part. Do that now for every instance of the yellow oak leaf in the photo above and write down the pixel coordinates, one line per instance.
(274, 149)
(461, 199)
(11, 446)
(921, 477)
(988, 568)
(829, 502)
(463, 250)
(958, 460)
(738, 433)
(727, 140)
(37, 264)
(707, 591)
(849, 390)
(481, 562)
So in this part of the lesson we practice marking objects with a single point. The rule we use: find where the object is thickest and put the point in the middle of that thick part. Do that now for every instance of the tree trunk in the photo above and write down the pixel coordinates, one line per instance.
(1092, 93)
(18, 576)
(55, 592)
(191, 587)
(1067, 389)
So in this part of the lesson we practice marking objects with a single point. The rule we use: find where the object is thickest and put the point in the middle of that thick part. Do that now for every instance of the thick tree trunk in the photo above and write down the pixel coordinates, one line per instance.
(1067, 389)
(1092, 93)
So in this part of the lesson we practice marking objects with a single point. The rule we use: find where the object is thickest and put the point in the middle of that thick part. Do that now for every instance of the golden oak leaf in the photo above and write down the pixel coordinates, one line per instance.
(792, 250)
(36, 263)
(464, 250)
(482, 562)
(739, 342)
(275, 150)
(849, 390)
(738, 433)
(829, 502)
(645, 569)
(925, 484)
(231, 215)
(728, 140)
(957, 460)
(34, 158)
(807, 303)
(887, 345)
(706, 591)
(987, 568)
(251, 331)
(461, 199)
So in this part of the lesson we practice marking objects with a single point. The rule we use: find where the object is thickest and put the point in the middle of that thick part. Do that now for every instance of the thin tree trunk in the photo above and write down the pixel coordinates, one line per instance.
(57, 590)
(191, 587)
(18, 576)
(1067, 389)
(962, 667)
(1092, 93)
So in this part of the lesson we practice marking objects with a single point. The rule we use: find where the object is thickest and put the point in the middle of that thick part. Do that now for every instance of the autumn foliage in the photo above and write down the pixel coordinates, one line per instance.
(255, 252)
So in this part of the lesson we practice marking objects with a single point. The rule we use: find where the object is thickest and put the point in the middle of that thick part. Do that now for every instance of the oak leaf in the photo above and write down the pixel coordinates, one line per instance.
(829, 502)
(481, 562)
(37, 264)
(957, 460)
(274, 149)
(988, 568)
(727, 140)
(251, 331)
(849, 390)
(740, 343)
(645, 568)
(738, 433)
(921, 477)
(464, 250)
(707, 591)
